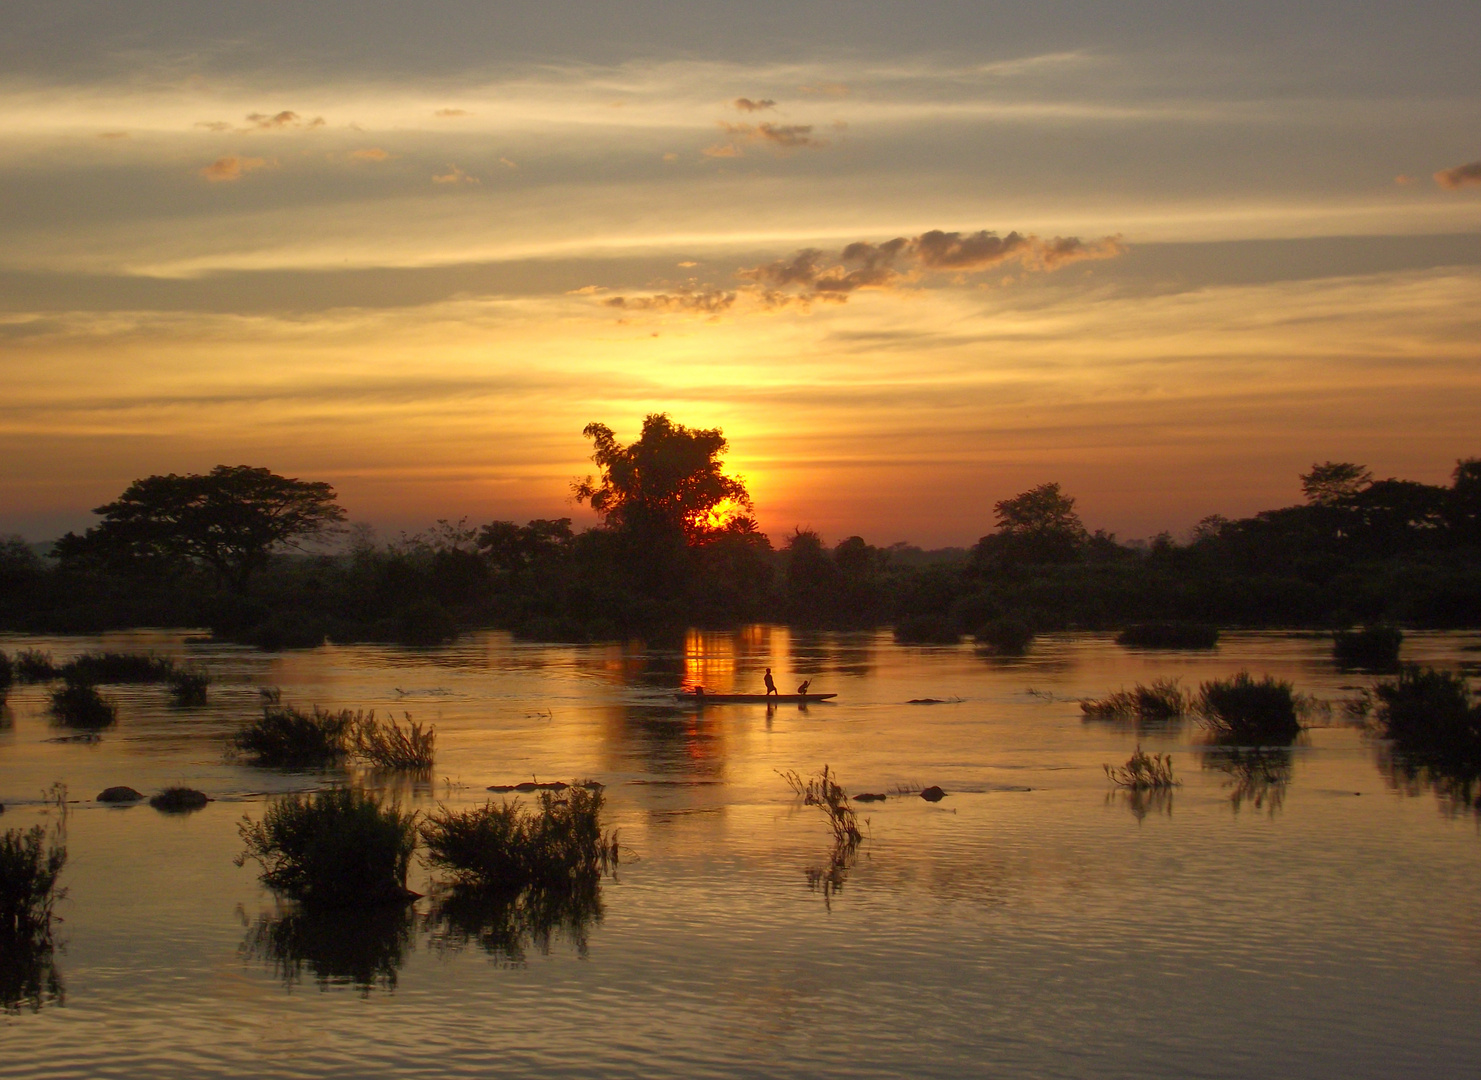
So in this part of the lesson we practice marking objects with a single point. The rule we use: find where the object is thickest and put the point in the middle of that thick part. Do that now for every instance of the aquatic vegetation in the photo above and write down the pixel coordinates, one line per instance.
(31, 862)
(34, 666)
(1435, 728)
(389, 746)
(1143, 772)
(7, 675)
(1241, 711)
(823, 791)
(336, 848)
(927, 630)
(506, 847)
(1258, 775)
(360, 948)
(179, 800)
(1373, 648)
(113, 667)
(1164, 700)
(1006, 636)
(1169, 635)
(188, 685)
(80, 705)
(287, 737)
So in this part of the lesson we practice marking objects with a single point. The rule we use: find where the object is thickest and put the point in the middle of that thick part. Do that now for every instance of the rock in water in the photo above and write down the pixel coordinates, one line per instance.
(119, 794)
(933, 794)
(179, 799)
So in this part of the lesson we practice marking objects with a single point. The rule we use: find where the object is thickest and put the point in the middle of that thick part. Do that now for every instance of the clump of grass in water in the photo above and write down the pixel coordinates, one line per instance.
(336, 848)
(113, 667)
(1165, 699)
(1435, 727)
(80, 705)
(34, 666)
(288, 737)
(188, 685)
(1143, 772)
(1169, 635)
(1243, 712)
(558, 845)
(1373, 648)
(389, 746)
(823, 791)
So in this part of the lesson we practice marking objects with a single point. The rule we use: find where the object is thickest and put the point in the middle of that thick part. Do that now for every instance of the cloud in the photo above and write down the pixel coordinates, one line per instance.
(722, 150)
(745, 104)
(812, 275)
(448, 114)
(373, 153)
(454, 175)
(285, 119)
(670, 157)
(232, 167)
(691, 301)
(783, 135)
(1460, 176)
(504, 161)
(213, 125)
(688, 264)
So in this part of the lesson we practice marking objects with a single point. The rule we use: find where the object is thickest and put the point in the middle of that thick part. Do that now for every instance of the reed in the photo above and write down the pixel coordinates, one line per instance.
(557, 844)
(1164, 700)
(31, 861)
(1373, 648)
(80, 705)
(389, 746)
(1429, 715)
(1169, 635)
(337, 848)
(34, 666)
(188, 685)
(1243, 712)
(1143, 772)
(823, 791)
(286, 737)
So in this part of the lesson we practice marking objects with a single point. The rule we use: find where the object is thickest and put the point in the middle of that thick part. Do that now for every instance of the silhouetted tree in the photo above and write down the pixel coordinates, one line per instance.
(1333, 482)
(670, 479)
(231, 519)
(1037, 526)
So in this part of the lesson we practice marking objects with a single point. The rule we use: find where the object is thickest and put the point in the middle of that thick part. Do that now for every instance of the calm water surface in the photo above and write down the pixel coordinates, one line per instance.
(1309, 918)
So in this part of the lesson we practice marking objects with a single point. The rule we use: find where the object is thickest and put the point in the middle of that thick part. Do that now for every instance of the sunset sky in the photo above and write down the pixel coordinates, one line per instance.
(413, 249)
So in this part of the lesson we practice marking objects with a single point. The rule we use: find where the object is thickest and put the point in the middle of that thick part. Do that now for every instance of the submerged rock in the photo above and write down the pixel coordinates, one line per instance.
(119, 794)
(933, 794)
(870, 796)
(178, 800)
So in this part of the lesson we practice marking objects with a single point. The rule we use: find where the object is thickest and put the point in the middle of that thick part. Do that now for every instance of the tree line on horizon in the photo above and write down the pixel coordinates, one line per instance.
(677, 546)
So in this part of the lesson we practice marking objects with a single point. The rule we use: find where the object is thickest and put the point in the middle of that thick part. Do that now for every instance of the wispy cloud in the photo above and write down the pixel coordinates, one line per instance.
(285, 119)
(372, 153)
(450, 114)
(780, 136)
(745, 104)
(454, 175)
(722, 150)
(812, 275)
(1460, 176)
(232, 167)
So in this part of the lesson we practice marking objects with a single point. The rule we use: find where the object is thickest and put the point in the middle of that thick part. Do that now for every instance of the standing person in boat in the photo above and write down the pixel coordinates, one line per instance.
(770, 683)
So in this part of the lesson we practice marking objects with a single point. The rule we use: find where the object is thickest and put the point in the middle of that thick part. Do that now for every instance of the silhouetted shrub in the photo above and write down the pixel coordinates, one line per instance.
(1169, 635)
(29, 868)
(389, 746)
(188, 685)
(1373, 648)
(1143, 772)
(927, 630)
(288, 737)
(1007, 636)
(112, 667)
(1243, 712)
(34, 666)
(1429, 715)
(80, 705)
(337, 848)
(1163, 700)
(508, 848)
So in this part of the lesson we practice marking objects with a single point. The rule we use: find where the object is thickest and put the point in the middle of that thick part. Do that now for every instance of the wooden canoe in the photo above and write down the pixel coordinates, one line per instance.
(752, 699)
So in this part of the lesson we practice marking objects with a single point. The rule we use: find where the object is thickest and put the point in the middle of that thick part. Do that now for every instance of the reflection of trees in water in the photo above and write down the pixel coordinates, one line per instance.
(506, 924)
(818, 652)
(666, 740)
(1257, 775)
(29, 977)
(1458, 788)
(364, 948)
